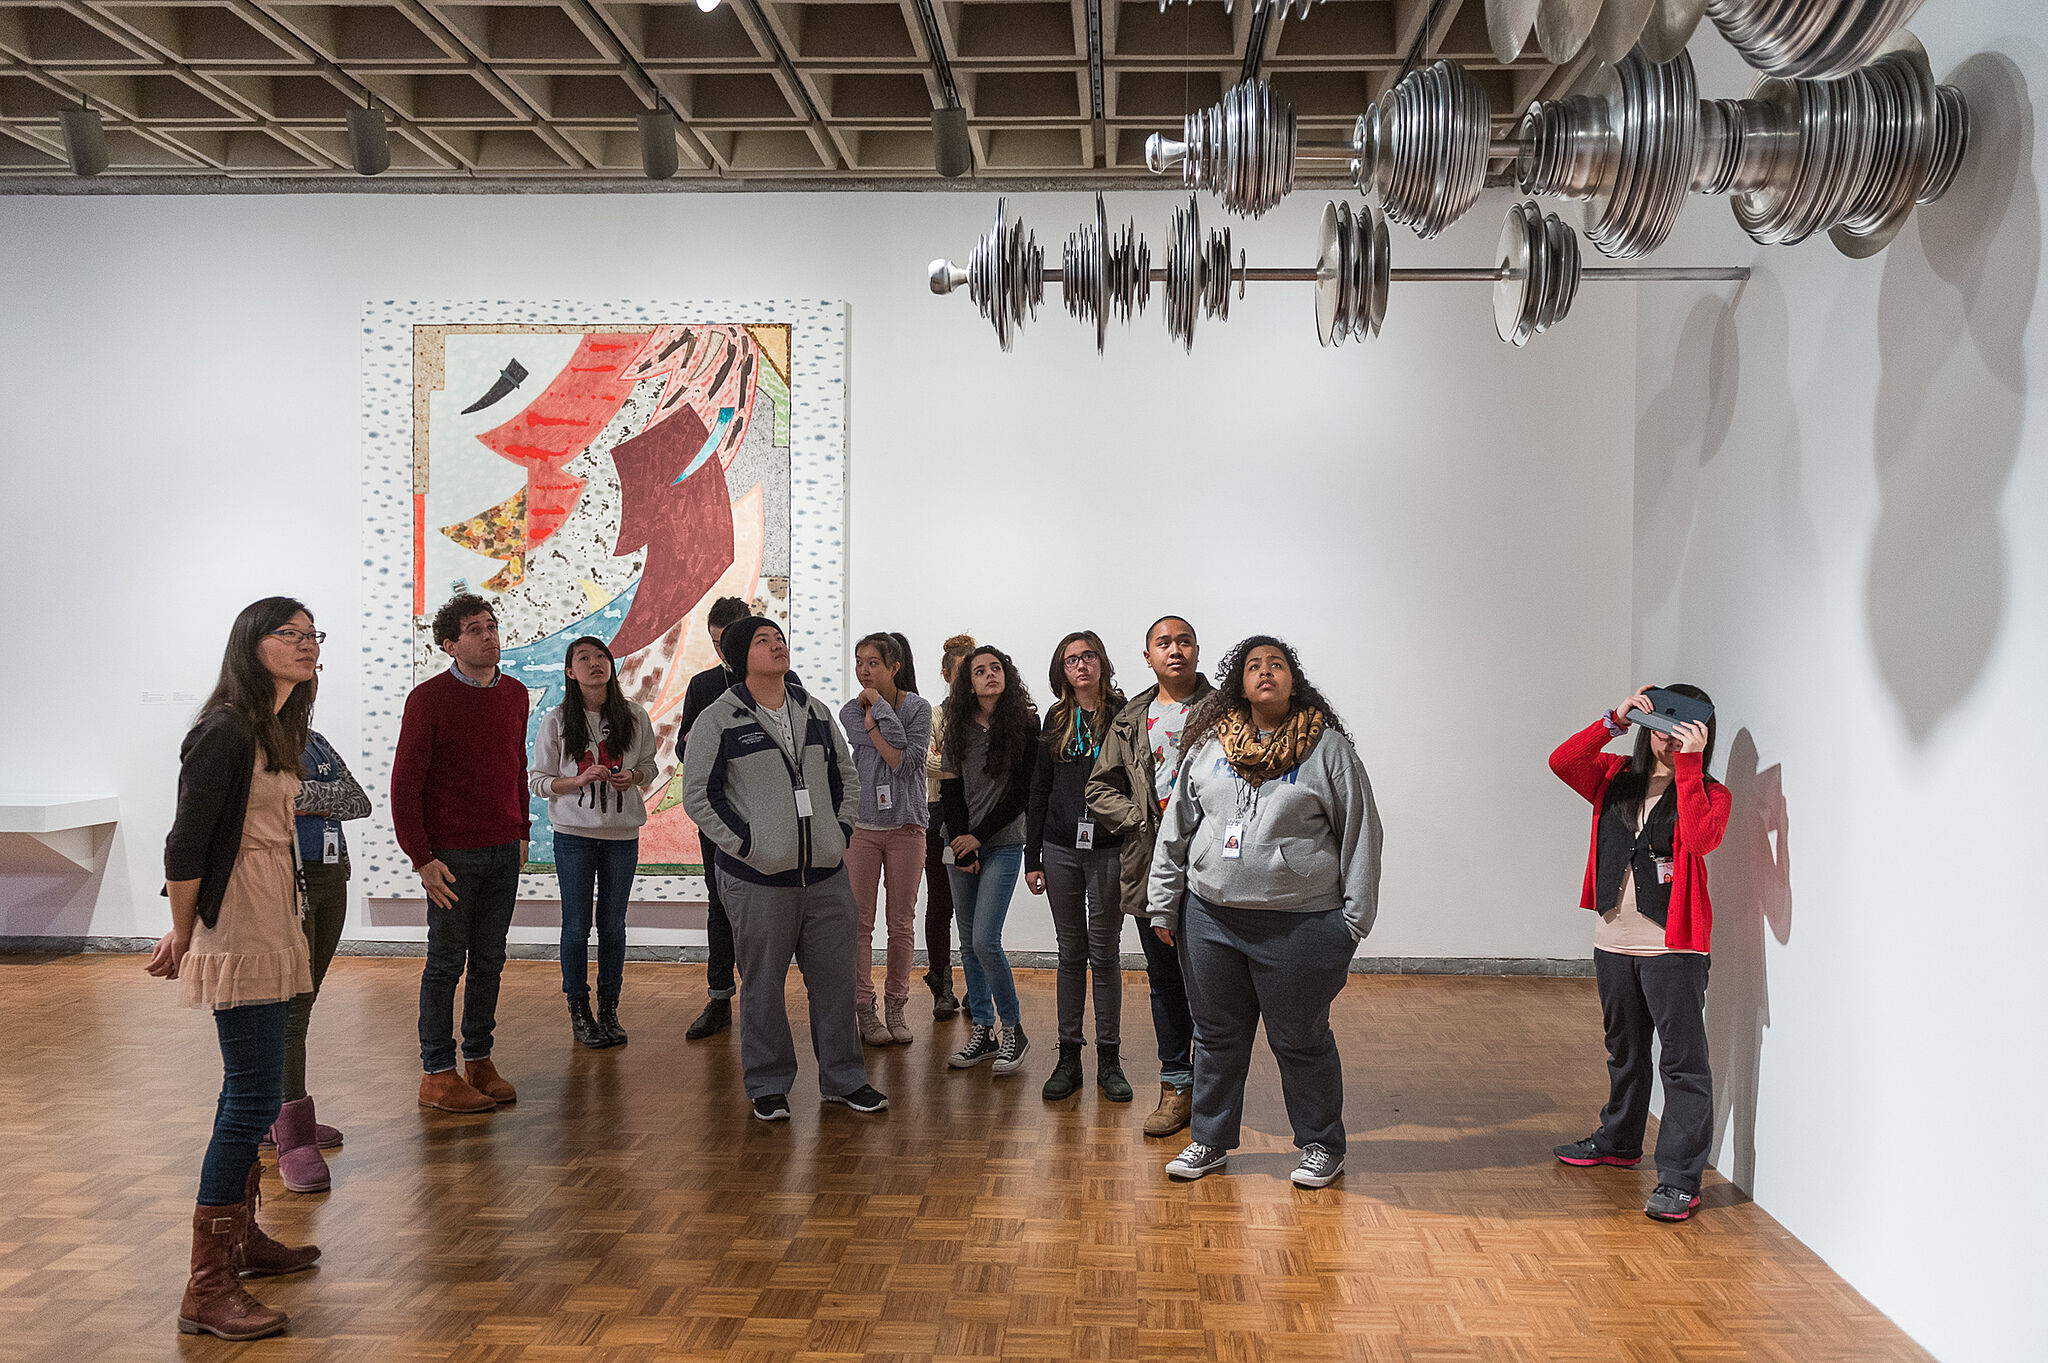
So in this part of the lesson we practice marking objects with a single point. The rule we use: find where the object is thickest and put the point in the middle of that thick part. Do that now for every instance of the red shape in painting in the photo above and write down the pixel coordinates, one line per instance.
(685, 526)
(557, 426)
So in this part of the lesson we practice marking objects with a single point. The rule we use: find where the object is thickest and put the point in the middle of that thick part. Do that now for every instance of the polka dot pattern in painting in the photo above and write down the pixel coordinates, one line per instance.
(817, 512)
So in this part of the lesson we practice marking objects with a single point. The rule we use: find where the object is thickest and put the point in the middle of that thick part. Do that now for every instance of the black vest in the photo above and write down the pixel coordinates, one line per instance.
(1624, 851)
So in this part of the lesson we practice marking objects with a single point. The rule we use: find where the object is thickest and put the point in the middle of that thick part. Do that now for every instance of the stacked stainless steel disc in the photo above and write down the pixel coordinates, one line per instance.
(1198, 274)
(1005, 275)
(1540, 273)
(1353, 271)
(1241, 149)
(1100, 273)
(1422, 147)
(1626, 149)
(1816, 39)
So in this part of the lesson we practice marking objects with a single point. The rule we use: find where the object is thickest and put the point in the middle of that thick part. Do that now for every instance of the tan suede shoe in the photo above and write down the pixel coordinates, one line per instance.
(1172, 1114)
(450, 1092)
(483, 1076)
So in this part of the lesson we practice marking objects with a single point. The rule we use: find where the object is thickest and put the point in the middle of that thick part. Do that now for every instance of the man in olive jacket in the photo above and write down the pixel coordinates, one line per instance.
(1134, 774)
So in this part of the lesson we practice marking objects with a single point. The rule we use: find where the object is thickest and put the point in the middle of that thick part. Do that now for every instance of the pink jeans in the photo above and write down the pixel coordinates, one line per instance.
(900, 853)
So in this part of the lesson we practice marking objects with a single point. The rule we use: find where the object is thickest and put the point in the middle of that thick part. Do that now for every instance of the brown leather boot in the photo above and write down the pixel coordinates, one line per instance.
(483, 1076)
(450, 1092)
(1175, 1107)
(256, 1254)
(215, 1302)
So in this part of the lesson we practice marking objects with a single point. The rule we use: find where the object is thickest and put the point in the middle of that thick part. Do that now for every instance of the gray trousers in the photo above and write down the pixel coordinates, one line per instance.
(1244, 964)
(812, 925)
(1085, 892)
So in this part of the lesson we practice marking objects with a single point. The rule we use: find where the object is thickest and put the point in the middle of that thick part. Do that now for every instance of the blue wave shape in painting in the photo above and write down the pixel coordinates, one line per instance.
(725, 416)
(538, 666)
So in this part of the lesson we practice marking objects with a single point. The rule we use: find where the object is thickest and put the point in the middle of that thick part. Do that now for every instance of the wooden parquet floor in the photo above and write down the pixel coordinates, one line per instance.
(628, 1209)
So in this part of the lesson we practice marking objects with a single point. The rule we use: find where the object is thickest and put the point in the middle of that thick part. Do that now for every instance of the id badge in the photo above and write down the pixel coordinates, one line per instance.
(330, 845)
(803, 803)
(1664, 870)
(1233, 841)
(1084, 836)
(884, 798)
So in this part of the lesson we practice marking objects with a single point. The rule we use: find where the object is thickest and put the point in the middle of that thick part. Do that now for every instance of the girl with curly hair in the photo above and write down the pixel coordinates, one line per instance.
(1267, 872)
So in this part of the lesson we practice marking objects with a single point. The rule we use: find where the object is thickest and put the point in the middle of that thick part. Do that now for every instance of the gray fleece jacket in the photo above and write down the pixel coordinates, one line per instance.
(740, 787)
(1311, 839)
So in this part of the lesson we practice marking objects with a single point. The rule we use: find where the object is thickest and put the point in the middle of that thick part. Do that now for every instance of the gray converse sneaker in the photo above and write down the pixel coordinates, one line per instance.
(1319, 1167)
(1670, 1203)
(981, 1045)
(1195, 1161)
(1016, 1046)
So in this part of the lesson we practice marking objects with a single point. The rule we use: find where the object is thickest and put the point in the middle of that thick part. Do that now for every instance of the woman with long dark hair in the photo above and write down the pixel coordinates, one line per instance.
(1656, 815)
(889, 728)
(237, 946)
(1075, 861)
(592, 758)
(1268, 873)
(985, 782)
(938, 883)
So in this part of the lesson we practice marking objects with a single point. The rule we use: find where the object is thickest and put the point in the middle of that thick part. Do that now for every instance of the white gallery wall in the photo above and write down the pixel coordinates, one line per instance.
(1439, 521)
(1841, 503)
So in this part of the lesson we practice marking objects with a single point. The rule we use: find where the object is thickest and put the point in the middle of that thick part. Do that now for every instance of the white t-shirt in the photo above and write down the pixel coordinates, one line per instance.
(1165, 721)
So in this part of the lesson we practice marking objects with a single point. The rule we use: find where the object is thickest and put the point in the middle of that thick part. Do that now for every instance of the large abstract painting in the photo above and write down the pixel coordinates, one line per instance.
(602, 471)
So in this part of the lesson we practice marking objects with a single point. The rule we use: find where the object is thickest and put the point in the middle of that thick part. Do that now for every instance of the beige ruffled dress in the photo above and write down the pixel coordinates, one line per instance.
(256, 951)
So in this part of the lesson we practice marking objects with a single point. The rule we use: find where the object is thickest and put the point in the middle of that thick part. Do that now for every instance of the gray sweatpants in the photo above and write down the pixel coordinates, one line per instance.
(1084, 890)
(812, 925)
(1245, 964)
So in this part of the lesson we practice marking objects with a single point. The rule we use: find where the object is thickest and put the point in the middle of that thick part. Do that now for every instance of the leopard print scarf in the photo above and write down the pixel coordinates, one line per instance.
(1281, 751)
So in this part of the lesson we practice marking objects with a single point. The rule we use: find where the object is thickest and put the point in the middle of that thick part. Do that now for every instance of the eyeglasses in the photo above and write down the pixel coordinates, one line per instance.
(296, 637)
(1088, 659)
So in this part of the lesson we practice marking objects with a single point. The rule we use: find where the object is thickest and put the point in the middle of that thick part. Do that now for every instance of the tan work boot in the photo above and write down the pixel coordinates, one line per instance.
(215, 1302)
(871, 1029)
(1175, 1108)
(450, 1092)
(892, 1018)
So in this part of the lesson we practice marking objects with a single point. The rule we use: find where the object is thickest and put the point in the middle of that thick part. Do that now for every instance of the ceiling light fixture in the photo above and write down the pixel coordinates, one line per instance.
(707, 5)
(369, 141)
(85, 139)
(658, 156)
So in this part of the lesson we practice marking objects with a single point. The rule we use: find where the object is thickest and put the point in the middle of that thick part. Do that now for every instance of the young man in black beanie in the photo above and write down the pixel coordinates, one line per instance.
(769, 779)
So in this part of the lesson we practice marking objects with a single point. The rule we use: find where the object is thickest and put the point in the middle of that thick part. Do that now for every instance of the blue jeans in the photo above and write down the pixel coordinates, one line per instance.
(251, 1091)
(981, 901)
(606, 866)
(1172, 1023)
(468, 935)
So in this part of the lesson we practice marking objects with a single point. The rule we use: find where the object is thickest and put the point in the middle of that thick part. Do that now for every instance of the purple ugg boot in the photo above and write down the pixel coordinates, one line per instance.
(299, 1162)
(324, 1136)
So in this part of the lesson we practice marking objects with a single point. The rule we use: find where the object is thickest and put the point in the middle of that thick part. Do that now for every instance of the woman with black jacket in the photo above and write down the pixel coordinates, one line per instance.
(1077, 864)
(237, 945)
(984, 784)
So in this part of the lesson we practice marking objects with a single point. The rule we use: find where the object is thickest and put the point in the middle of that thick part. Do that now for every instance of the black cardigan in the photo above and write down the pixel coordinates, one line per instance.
(216, 763)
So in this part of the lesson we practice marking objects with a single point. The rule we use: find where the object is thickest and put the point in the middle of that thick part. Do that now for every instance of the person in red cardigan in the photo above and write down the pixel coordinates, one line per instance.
(1656, 815)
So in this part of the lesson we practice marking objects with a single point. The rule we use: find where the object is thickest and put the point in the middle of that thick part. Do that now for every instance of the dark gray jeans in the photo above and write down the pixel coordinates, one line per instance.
(468, 936)
(1667, 995)
(1245, 964)
(1084, 890)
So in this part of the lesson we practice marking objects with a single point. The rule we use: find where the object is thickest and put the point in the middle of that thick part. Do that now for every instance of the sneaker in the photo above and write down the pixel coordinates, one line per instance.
(1016, 1046)
(1195, 1161)
(981, 1045)
(1319, 1167)
(1587, 1153)
(866, 1098)
(1670, 1204)
(772, 1107)
(716, 1017)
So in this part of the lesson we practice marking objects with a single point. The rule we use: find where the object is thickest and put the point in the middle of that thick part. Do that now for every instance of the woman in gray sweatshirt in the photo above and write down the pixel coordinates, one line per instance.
(1267, 873)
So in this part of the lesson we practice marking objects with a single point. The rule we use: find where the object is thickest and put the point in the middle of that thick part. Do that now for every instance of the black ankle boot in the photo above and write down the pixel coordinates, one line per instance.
(608, 1021)
(588, 1033)
(1066, 1076)
(1109, 1074)
(716, 1017)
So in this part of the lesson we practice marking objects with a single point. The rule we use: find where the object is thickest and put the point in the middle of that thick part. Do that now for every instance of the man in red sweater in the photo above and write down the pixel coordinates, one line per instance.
(458, 798)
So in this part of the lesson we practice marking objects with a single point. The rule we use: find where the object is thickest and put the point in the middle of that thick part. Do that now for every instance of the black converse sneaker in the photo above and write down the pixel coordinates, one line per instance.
(981, 1045)
(1016, 1046)
(1195, 1161)
(772, 1107)
(1319, 1167)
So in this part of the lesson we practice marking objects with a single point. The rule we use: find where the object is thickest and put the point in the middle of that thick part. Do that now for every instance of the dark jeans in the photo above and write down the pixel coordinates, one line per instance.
(1667, 995)
(1084, 893)
(1288, 968)
(469, 934)
(938, 904)
(252, 1070)
(718, 927)
(1171, 1022)
(327, 906)
(603, 869)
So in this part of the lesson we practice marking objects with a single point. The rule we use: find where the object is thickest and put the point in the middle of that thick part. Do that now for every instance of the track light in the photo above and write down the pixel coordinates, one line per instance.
(369, 141)
(85, 140)
(658, 144)
(952, 151)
